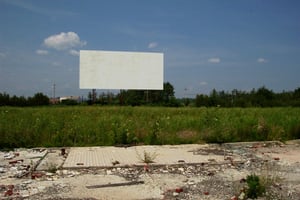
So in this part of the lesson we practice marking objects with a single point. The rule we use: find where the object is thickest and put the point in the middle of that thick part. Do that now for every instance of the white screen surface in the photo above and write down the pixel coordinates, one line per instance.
(120, 70)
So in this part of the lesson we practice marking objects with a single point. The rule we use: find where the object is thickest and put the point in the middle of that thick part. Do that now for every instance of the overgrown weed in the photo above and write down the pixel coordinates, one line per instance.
(110, 125)
(147, 157)
(266, 185)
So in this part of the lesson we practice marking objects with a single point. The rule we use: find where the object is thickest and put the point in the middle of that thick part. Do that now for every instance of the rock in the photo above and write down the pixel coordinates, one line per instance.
(175, 194)
(248, 163)
(27, 182)
(191, 182)
(181, 169)
(164, 171)
(49, 174)
(109, 172)
(9, 156)
(242, 196)
(2, 170)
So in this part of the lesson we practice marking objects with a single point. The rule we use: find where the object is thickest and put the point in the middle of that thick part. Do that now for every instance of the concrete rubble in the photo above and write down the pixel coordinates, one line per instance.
(171, 172)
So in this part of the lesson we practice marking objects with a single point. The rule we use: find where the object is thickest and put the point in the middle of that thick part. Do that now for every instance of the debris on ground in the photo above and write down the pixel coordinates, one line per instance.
(40, 173)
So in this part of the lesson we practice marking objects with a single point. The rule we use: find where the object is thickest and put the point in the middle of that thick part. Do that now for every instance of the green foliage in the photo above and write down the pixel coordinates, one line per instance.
(39, 99)
(163, 97)
(263, 130)
(295, 131)
(153, 138)
(111, 125)
(52, 168)
(147, 157)
(262, 97)
(255, 188)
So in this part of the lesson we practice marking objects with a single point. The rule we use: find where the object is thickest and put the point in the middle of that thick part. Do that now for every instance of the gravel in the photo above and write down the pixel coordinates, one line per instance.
(38, 174)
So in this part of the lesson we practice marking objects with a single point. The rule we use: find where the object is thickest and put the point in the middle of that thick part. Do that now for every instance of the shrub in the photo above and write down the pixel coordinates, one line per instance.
(147, 157)
(255, 188)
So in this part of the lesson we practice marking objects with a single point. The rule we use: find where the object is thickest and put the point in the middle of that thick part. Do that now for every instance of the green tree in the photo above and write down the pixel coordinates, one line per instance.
(168, 92)
(202, 100)
(4, 99)
(297, 93)
(156, 97)
(264, 97)
(39, 99)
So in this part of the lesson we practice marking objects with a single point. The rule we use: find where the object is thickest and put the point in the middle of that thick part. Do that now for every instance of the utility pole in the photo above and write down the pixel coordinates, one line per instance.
(94, 95)
(54, 91)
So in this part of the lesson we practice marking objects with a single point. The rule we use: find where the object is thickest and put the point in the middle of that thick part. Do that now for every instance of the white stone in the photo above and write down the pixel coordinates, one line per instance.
(181, 169)
(27, 182)
(175, 194)
(41, 188)
(49, 174)
(242, 196)
(191, 182)
(2, 170)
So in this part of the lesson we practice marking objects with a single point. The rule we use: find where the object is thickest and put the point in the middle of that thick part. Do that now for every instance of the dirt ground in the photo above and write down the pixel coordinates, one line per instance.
(39, 174)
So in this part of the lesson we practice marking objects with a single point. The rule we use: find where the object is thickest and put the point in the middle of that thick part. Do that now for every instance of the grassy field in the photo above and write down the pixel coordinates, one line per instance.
(95, 125)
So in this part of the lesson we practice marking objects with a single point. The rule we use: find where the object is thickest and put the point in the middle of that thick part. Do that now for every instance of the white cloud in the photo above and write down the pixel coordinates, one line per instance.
(203, 83)
(214, 60)
(152, 45)
(64, 41)
(41, 52)
(74, 52)
(262, 60)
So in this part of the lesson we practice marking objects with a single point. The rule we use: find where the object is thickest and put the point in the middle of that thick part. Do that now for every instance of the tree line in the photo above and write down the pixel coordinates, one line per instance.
(261, 97)
(165, 97)
(39, 99)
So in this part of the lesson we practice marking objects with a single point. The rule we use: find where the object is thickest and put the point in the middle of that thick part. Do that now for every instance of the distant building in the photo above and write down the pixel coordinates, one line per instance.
(58, 100)
(54, 100)
(73, 98)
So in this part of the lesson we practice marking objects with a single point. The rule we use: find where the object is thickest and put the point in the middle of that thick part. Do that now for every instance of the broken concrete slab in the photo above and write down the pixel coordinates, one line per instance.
(137, 155)
(54, 160)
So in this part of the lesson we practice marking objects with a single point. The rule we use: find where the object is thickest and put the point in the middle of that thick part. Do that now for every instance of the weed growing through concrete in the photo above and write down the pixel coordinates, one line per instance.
(268, 184)
(147, 157)
(52, 168)
(254, 186)
(271, 180)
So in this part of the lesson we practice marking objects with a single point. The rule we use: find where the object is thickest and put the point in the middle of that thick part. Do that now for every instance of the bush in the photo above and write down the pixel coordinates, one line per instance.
(255, 188)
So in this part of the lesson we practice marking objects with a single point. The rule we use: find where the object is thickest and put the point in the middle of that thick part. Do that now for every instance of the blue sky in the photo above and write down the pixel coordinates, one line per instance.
(207, 44)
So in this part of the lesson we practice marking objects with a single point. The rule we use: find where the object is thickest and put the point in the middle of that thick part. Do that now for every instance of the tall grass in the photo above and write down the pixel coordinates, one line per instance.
(95, 125)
